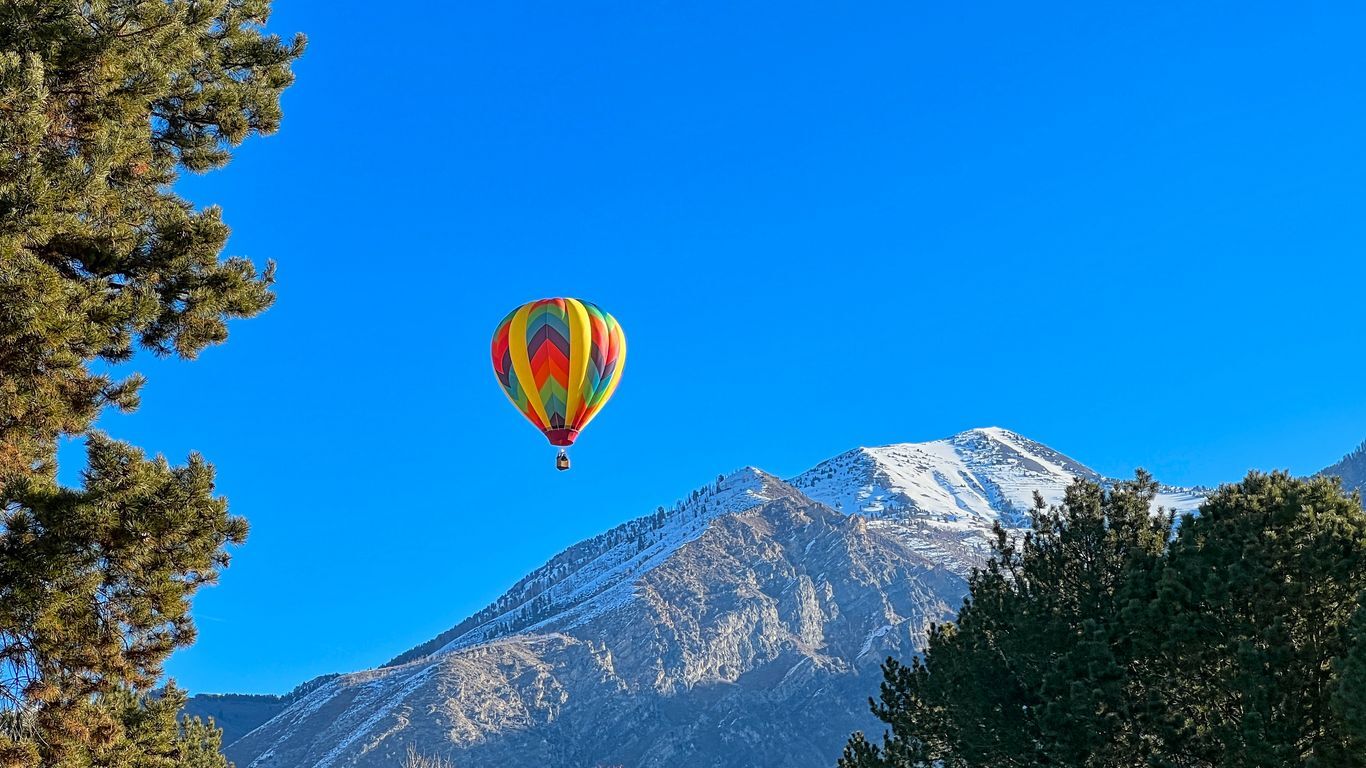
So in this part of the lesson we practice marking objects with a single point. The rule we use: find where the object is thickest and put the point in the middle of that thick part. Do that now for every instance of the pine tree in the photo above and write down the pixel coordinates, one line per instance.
(1242, 642)
(1032, 671)
(102, 104)
(1349, 696)
(1253, 603)
(151, 734)
(1097, 642)
(96, 585)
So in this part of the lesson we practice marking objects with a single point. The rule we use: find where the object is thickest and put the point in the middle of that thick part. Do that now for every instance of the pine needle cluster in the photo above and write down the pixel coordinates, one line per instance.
(103, 103)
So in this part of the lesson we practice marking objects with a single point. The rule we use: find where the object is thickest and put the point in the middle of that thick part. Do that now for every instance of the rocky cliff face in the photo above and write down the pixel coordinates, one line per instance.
(742, 628)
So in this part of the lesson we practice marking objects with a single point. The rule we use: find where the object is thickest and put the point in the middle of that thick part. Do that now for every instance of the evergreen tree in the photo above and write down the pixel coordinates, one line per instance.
(102, 104)
(1032, 672)
(1099, 641)
(1253, 603)
(152, 736)
(1349, 697)
(96, 586)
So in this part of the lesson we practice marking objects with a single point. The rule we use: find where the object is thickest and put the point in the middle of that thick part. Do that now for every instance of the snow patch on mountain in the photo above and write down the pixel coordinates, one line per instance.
(966, 482)
(943, 494)
(585, 582)
(702, 594)
(608, 581)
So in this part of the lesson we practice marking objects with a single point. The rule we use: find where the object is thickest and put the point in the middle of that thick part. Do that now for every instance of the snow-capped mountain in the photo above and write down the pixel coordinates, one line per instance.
(974, 478)
(597, 574)
(970, 480)
(671, 639)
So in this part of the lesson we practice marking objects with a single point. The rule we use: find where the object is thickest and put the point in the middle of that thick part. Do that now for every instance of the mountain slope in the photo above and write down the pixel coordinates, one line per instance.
(787, 603)
(670, 640)
(237, 714)
(1351, 468)
(972, 479)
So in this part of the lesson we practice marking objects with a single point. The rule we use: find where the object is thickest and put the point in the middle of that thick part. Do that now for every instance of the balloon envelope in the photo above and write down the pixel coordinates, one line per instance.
(558, 361)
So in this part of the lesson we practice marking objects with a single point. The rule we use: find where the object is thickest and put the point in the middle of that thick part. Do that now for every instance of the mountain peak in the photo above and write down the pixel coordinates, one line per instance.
(784, 606)
(969, 480)
(974, 478)
(744, 593)
(747, 478)
(997, 432)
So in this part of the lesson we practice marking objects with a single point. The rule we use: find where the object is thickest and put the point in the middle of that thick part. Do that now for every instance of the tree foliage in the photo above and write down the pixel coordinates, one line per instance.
(102, 104)
(1253, 605)
(1349, 697)
(97, 584)
(145, 732)
(1099, 640)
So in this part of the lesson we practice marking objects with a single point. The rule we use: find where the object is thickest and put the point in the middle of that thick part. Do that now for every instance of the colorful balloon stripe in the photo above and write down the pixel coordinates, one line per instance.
(558, 361)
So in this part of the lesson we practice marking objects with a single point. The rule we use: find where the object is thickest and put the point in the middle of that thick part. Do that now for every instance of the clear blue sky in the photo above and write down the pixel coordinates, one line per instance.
(1132, 233)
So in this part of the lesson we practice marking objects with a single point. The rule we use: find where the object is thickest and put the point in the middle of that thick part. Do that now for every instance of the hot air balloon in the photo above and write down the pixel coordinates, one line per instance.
(558, 361)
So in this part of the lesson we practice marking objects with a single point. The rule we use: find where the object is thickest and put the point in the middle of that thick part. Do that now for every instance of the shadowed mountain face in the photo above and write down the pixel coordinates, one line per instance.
(742, 628)
(1352, 469)
(237, 714)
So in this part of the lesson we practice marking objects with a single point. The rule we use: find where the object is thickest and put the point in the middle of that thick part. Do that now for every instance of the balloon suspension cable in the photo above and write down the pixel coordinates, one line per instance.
(562, 460)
